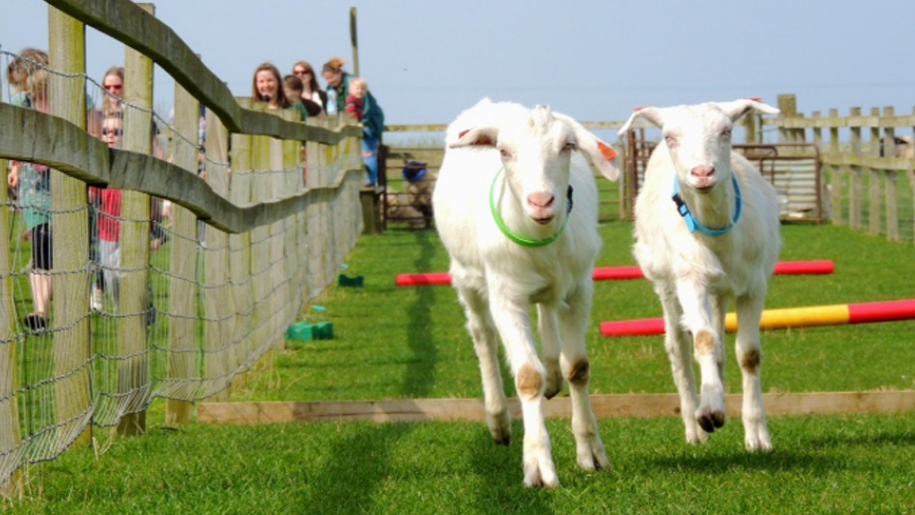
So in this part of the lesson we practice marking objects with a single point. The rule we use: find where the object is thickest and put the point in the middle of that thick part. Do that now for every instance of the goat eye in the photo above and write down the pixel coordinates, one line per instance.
(505, 153)
(726, 133)
(568, 147)
(670, 140)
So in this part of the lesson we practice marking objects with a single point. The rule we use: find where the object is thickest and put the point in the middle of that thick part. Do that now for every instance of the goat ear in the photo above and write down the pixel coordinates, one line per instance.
(652, 114)
(736, 109)
(601, 155)
(485, 137)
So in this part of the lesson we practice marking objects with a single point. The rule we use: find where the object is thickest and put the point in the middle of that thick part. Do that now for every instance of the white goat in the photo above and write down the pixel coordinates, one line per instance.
(503, 205)
(707, 230)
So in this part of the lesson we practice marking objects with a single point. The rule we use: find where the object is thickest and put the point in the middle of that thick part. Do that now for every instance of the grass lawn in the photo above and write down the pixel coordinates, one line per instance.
(395, 342)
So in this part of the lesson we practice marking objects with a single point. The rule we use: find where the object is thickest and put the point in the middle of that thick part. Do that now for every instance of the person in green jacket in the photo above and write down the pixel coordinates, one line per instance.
(372, 114)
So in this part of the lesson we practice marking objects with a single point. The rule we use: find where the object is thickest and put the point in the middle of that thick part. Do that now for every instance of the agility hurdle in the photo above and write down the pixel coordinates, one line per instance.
(618, 273)
(811, 316)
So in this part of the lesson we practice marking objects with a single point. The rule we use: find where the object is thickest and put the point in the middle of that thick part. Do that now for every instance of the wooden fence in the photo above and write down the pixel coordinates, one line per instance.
(250, 240)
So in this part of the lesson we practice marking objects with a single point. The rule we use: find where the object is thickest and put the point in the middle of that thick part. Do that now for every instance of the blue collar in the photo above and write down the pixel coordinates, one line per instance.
(694, 224)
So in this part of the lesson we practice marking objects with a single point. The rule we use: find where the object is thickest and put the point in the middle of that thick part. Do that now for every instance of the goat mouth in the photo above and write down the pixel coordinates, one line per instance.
(704, 189)
(544, 221)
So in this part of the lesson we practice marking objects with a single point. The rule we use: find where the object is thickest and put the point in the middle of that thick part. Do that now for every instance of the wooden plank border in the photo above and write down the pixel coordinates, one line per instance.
(605, 406)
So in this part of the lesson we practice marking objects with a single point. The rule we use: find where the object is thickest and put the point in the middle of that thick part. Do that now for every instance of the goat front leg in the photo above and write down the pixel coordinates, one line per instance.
(676, 342)
(749, 355)
(574, 319)
(512, 319)
(485, 343)
(698, 318)
(550, 340)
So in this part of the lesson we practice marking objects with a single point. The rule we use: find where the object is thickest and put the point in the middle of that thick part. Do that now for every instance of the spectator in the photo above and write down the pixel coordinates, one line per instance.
(313, 97)
(113, 82)
(355, 105)
(28, 76)
(292, 87)
(109, 213)
(372, 115)
(267, 87)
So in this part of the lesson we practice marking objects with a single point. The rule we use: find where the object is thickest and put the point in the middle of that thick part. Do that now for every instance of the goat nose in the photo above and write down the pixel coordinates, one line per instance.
(541, 200)
(703, 171)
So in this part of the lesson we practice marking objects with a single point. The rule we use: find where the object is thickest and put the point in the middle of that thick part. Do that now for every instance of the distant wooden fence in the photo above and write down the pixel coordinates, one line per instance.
(250, 241)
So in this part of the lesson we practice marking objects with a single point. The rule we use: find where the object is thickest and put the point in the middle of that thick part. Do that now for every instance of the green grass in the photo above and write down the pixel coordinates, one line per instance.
(410, 343)
(854, 464)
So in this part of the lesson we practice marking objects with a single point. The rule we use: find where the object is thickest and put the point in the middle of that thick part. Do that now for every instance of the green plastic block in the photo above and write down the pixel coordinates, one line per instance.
(301, 332)
(323, 331)
(305, 332)
(356, 282)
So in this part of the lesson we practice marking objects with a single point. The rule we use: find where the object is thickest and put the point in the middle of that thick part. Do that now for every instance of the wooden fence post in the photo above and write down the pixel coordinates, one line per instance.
(215, 270)
(70, 229)
(854, 190)
(10, 437)
(182, 297)
(892, 204)
(873, 220)
(134, 302)
(837, 175)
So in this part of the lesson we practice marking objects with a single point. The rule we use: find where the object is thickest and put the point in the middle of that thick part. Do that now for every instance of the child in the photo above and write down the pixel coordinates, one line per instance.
(354, 102)
(292, 88)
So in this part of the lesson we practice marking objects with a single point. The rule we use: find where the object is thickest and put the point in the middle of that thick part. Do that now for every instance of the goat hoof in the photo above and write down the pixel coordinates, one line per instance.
(709, 422)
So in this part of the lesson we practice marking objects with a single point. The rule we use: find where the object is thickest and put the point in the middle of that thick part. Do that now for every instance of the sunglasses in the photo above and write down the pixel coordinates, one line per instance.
(301, 72)
(115, 132)
(113, 86)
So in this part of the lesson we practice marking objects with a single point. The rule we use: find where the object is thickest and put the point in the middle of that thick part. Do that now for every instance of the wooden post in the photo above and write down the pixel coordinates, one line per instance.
(216, 365)
(70, 229)
(182, 295)
(133, 370)
(354, 39)
(892, 196)
(10, 437)
(240, 257)
(873, 217)
(854, 190)
(787, 104)
(837, 181)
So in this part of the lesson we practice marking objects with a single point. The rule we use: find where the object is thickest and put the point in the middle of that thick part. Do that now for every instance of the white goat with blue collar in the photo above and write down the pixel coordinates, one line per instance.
(707, 230)
(516, 209)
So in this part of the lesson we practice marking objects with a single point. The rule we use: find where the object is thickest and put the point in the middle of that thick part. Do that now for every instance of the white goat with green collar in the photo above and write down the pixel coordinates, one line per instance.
(707, 230)
(516, 209)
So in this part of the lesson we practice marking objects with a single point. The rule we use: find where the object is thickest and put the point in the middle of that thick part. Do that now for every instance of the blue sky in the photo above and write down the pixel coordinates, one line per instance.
(426, 61)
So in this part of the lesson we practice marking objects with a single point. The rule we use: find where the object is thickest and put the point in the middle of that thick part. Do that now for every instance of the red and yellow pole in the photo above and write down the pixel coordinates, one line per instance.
(811, 316)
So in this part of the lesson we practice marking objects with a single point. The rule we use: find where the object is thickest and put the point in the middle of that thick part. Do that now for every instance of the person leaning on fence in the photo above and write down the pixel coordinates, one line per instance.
(292, 87)
(313, 97)
(267, 87)
(372, 115)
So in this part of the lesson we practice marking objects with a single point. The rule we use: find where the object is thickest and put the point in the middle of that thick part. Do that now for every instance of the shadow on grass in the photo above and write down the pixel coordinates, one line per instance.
(420, 374)
(775, 461)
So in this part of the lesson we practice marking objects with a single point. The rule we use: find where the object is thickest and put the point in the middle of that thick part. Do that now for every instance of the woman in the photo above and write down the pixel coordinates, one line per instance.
(114, 91)
(267, 87)
(372, 114)
(313, 97)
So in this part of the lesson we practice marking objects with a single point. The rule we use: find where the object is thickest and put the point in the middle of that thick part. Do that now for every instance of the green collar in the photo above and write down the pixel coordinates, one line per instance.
(520, 240)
